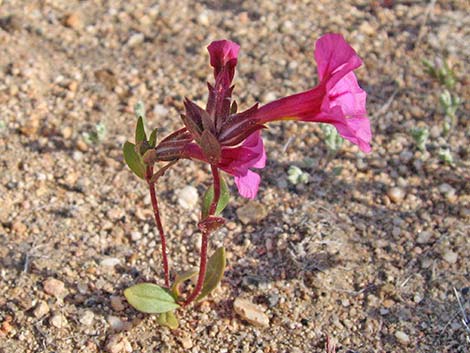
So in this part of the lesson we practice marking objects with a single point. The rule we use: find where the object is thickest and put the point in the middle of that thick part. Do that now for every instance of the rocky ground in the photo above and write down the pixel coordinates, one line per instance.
(371, 253)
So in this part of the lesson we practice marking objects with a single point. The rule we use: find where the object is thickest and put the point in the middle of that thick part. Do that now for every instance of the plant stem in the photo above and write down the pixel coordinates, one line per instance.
(202, 270)
(158, 221)
(215, 201)
(204, 240)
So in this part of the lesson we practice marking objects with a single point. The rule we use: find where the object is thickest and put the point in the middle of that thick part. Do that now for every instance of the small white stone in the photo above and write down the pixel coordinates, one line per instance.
(402, 337)
(58, 320)
(188, 197)
(160, 110)
(118, 344)
(186, 342)
(41, 309)
(135, 39)
(424, 237)
(203, 19)
(110, 262)
(117, 324)
(86, 317)
(396, 194)
(135, 236)
(250, 312)
(450, 256)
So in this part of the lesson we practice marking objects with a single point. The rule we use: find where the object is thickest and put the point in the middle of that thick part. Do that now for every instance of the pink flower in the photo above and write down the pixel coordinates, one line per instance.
(223, 53)
(231, 141)
(337, 99)
(237, 161)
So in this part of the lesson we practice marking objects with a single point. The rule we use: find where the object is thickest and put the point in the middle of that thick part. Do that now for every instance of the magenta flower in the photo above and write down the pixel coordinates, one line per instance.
(237, 161)
(231, 141)
(337, 99)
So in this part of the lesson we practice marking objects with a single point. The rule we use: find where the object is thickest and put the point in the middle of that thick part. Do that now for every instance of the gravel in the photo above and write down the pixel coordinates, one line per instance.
(367, 253)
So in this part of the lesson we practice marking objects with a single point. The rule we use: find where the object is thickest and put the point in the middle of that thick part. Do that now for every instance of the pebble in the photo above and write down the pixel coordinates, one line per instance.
(188, 197)
(252, 212)
(82, 146)
(448, 191)
(58, 320)
(450, 256)
(117, 324)
(86, 317)
(41, 309)
(402, 337)
(135, 39)
(54, 287)
(110, 262)
(19, 228)
(160, 110)
(203, 19)
(73, 20)
(118, 344)
(250, 312)
(6, 209)
(396, 194)
(116, 303)
(186, 342)
(424, 237)
(136, 236)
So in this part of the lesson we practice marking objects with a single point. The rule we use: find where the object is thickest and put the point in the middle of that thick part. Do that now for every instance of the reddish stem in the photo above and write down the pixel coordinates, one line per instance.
(204, 239)
(215, 201)
(202, 270)
(158, 221)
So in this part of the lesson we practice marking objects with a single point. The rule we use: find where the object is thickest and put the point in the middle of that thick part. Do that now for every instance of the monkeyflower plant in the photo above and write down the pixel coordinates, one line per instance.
(231, 141)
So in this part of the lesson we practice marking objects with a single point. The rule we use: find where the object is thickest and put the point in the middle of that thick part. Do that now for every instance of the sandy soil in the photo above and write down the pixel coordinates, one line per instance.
(368, 253)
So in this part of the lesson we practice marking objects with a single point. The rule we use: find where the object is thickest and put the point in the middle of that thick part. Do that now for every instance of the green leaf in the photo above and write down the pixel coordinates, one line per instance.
(140, 131)
(169, 320)
(180, 278)
(153, 138)
(150, 298)
(209, 196)
(214, 272)
(133, 160)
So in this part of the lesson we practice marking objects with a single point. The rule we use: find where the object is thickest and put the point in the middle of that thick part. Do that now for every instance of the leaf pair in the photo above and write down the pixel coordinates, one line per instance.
(152, 299)
(214, 273)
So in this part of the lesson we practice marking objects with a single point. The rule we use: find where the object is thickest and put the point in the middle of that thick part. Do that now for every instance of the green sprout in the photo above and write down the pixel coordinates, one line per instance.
(450, 104)
(297, 175)
(420, 136)
(332, 139)
(441, 71)
(96, 136)
(446, 156)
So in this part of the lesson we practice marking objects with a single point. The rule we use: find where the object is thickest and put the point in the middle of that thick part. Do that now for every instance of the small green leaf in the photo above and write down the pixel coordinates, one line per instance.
(180, 278)
(169, 320)
(150, 298)
(153, 138)
(133, 160)
(140, 131)
(214, 272)
(209, 196)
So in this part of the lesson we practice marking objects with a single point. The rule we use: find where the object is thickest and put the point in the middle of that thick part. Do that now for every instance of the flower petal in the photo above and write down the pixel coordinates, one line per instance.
(248, 184)
(354, 129)
(221, 52)
(335, 58)
(255, 143)
(348, 95)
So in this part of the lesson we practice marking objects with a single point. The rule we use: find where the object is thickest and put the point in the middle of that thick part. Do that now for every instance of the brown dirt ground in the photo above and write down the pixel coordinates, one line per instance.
(336, 257)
